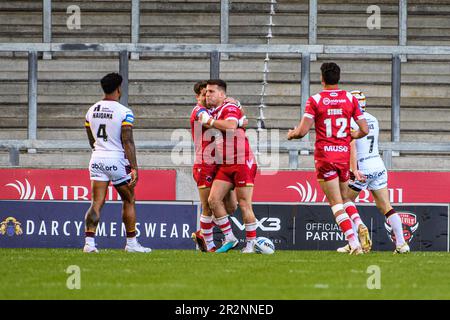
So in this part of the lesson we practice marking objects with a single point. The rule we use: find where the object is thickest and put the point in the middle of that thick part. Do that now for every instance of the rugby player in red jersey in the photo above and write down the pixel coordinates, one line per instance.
(238, 167)
(204, 172)
(331, 112)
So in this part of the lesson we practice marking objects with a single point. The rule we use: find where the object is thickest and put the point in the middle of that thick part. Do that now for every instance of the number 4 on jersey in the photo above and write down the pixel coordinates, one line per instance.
(101, 133)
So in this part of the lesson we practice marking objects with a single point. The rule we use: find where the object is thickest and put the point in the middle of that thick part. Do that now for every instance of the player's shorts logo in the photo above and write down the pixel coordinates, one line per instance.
(100, 166)
(410, 226)
(10, 226)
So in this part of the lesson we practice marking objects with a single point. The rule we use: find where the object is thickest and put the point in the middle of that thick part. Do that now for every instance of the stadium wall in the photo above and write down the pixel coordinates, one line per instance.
(45, 208)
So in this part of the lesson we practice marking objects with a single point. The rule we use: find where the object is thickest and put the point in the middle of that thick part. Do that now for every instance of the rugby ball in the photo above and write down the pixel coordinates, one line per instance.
(264, 245)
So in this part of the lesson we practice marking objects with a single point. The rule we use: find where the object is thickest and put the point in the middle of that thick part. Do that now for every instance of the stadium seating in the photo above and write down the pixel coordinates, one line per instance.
(161, 85)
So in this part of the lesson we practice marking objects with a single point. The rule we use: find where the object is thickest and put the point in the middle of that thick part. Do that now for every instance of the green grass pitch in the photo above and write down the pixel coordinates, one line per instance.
(188, 274)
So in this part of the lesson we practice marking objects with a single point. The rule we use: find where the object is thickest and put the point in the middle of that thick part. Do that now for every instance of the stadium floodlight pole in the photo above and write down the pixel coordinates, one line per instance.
(123, 71)
(32, 95)
(403, 25)
(224, 23)
(306, 85)
(135, 25)
(214, 65)
(312, 26)
(47, 26)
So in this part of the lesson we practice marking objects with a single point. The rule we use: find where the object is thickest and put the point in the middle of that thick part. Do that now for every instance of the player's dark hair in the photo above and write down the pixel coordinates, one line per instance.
(331, 73)
(218, 82)
(111, 82)
(199, 86)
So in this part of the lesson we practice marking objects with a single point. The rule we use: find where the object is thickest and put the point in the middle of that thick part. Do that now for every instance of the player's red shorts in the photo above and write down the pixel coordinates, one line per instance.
(204, 175)
(328, 170)
(241, 175)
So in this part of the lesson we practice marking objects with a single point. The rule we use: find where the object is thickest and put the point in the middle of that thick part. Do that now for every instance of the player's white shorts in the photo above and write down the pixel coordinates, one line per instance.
(110, 169)
(375, 180)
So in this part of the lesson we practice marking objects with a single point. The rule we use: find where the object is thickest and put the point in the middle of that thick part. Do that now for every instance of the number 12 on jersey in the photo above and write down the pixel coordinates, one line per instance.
(341, 123)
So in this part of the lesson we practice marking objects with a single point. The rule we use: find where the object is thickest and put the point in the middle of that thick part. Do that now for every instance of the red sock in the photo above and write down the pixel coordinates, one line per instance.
(352, 212)
(224, 225)
(345, 224)
(207, 227)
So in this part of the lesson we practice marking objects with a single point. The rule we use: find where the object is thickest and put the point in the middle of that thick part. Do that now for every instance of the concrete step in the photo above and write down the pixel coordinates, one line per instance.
(173, 160)
(85, 92)
(172, 134)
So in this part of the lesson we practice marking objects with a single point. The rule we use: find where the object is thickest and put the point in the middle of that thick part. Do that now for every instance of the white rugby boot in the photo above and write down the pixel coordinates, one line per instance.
(90, 249)
(404, 248)
(249, 247)
(344, 249)
(356, 251)
(136, 247)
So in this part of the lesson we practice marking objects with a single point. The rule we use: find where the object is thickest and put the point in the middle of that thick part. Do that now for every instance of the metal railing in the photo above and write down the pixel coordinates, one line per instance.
(293, 148)
(305, 52)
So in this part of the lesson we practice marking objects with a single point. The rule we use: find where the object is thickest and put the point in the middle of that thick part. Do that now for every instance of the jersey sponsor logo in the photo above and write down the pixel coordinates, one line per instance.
(336, 148)
(409, 223)
(307, 194)
(328, 101)
(334, 112)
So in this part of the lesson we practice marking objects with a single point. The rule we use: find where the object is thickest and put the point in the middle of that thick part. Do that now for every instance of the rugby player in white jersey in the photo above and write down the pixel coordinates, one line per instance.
(371, 174)
(109, 126)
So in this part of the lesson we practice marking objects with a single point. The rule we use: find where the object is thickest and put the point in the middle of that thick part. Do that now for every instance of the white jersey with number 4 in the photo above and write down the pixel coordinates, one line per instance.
(367, 147)
(105, 119)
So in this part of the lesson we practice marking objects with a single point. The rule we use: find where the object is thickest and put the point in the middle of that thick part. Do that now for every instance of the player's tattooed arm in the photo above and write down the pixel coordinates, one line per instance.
(130, 152)
(90, 137)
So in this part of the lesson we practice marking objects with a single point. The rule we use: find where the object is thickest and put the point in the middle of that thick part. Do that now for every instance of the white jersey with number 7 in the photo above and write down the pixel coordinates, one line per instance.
(367, 148)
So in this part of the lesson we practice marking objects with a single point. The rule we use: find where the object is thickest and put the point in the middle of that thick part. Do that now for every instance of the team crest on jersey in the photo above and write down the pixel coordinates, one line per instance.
(10, 226)
(409, 223)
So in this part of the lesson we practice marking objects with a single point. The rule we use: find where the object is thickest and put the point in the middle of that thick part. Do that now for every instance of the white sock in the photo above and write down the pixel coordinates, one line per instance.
(355, 228)
(396, 224)
(131, 241)
(90, 241)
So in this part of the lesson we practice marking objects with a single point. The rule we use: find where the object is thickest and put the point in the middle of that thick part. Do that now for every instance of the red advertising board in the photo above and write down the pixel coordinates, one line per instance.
(74, 184)
(302, 186)
(282, 186)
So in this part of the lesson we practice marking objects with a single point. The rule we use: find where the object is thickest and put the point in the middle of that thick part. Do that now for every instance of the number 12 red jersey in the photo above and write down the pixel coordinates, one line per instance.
(332, 111)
